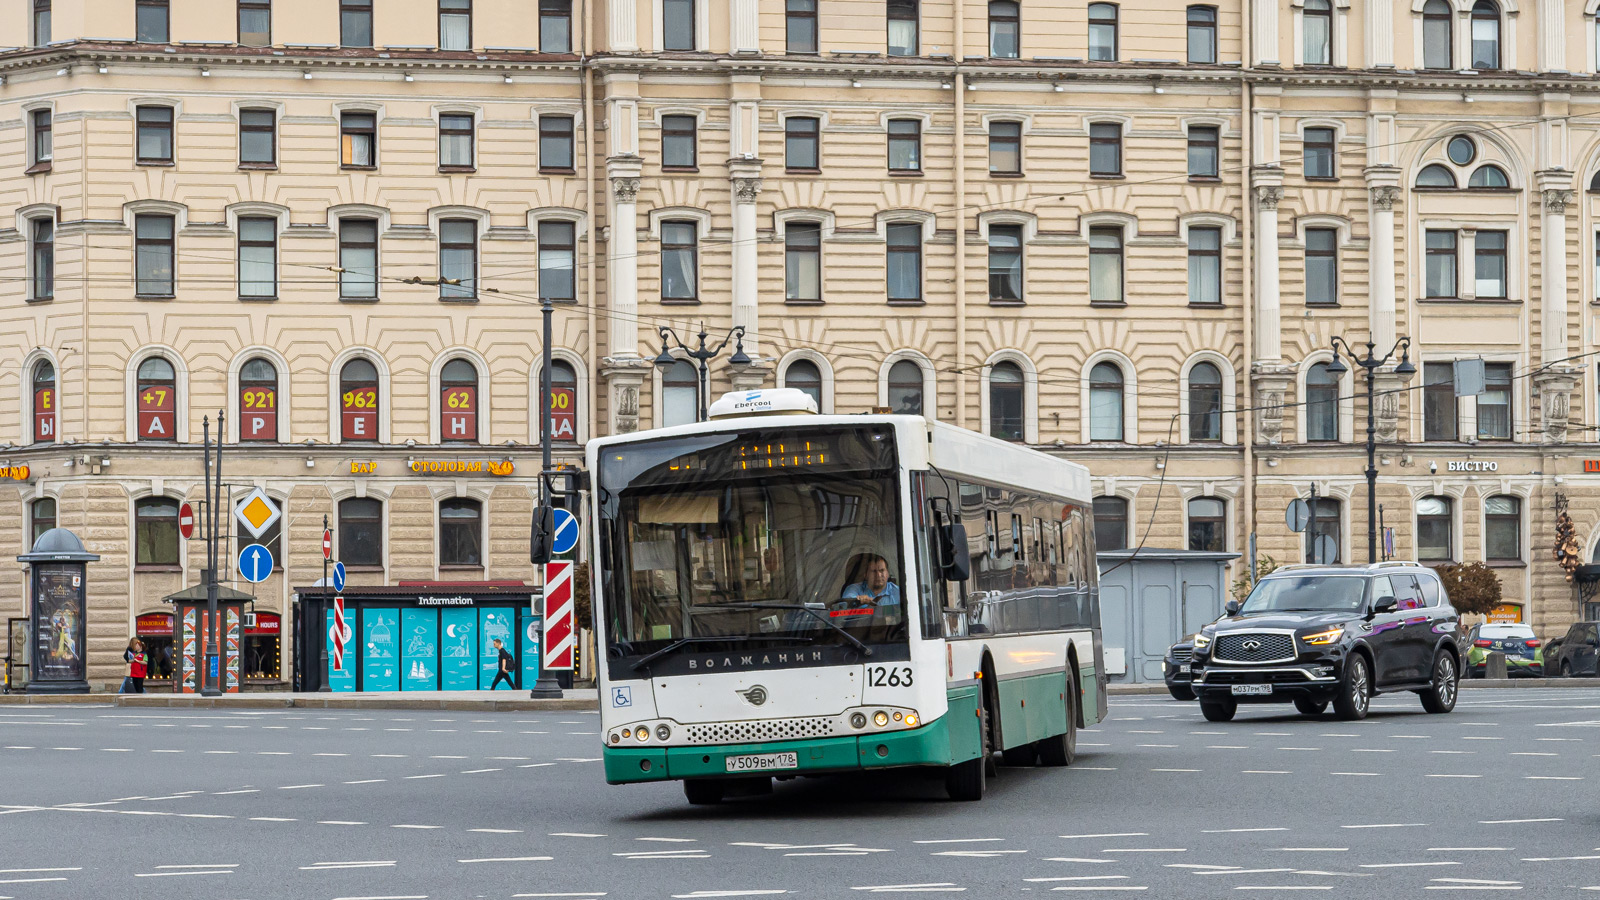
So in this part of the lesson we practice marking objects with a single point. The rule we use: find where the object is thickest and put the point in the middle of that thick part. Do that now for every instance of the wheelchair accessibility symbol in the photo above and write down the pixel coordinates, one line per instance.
(621, 696)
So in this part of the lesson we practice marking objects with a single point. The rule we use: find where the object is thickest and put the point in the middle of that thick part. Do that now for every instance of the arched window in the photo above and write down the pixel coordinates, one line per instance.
(1105, 402)
(1488, 178)
(1485, 35)
(1103, 32)
(1322, 404)
(258, 401)
(1205, 402)
(1110, 523)
(1321, 544)
(563, 401)
(158, 400)
(1502, 528)
(1208, 524)
(458, 402)
(1006, 401)
(1005, 39)
(1437, 31)
(905, 388)
(361, 532)
(460, 533)
(680, 394)
(155, 531)
(1594, 183)
(358, 400)
(1202, 25)
(1317, 30)
(44, 402)
(41, 518)
(1436, 176)
(803, 375)
(1434, 530)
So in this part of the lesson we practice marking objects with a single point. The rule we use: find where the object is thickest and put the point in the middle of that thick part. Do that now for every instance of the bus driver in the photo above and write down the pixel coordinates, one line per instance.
(874, 595)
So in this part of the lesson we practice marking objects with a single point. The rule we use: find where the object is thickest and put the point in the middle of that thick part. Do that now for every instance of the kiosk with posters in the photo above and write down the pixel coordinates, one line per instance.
(192, 616)
(419, 636)
(58, 579)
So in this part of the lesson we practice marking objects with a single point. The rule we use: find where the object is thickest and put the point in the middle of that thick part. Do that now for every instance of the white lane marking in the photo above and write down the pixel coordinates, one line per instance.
(534, 765)
(1452, 776)
(1239, 830)
(506, 859)
(977, 854)
(1076, 859)
(271, 819)
(1177, 770)
(1531, 753)
(447, 757)
(1147, 850)
(1265, 772)
(170, 874)
(388, 756)
(330, 754)
(29, 880)
(370, 864)
(1080, 878)
(750, 893)
(1284, 887)
(388, 897)
(1226, 747)
(1314, 849)
(258, 752)
(1390, 825)
(959, 841)
(33, 871)
(670, 840)
(573, 834)
(939, 887)
(338, 822)
(572, 894)
(1106, 887)
(1473, 881)
(415, 777)
(1557, 859)
(367, 781)
(1116, 834)
(506, 831)
(666, 854)
(1516, 821)
(419, 827)
(1553, 777)
(1462, 850)
(1354, 774)
(296, 787)
(200, 866)
(231, 793)
(511, 758)
(1408, 865)
(1474, 887)
(480, 771)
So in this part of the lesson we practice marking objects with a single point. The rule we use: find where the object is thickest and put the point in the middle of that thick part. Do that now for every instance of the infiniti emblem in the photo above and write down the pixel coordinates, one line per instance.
(757, 695)
(1251, 644)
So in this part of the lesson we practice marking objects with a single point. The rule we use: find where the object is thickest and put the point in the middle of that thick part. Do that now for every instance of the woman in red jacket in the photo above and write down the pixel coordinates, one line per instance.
(138, 665)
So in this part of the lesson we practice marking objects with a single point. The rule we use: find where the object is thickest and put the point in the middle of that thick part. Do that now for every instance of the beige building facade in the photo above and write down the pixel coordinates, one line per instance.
(1125, 233)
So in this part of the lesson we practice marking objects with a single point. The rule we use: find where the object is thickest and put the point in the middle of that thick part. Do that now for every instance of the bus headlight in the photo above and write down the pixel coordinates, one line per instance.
(627, 733)
(911, 720)
(880, 718)
(858, 720)
(663, 732)
(643, 734)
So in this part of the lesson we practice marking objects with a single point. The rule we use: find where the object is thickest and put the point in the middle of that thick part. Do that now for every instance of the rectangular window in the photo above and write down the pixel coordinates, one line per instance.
(255, 23)
(1502, 529)
(1202, 34)
(1318, 148)
(1110, 523)
(358, 135)
(152, 23)
(153, 251)
(455, 141)
(155, 135)
(678, 142)
(677, 25)
(1005, 29)
(1203, 151)
(1489, 265)
(555, 144)
(458, 259)
(41, 22)
(1434, 530)
(1005, 263)
(455, 24)
(1005, 148)
(355, 23)
(802, 262)
(1322, 266)
(905, 145)
(1441, 264)
(1439, 416)
(800, 26)
(44, 259)
(1205, 266)
(42, 148)
(680, 263)
(258, 138)
(802, 150)
(1494, 404)
(258, 258)
(904, 264)
(1103, 32)
(558, 264)
(902, 21)
(1105, 149)
(361, 532)
(358, 258)
(555, 26)
(1105, 265)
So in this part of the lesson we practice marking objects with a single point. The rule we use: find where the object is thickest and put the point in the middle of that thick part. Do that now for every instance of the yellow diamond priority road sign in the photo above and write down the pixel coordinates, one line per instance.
(257, 512)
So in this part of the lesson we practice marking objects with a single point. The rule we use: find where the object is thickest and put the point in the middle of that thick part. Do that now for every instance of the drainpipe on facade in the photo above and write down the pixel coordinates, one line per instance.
(959, 84)
(591, 361)
(1247, 300)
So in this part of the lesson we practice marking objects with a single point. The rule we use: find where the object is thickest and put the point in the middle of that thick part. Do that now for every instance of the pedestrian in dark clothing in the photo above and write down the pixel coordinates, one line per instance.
(138, 666)
(507, 661)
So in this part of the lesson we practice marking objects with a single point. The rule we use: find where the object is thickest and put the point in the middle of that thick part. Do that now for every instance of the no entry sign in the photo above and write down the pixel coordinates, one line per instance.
(327, 544)
(186, 521)
(558, 616)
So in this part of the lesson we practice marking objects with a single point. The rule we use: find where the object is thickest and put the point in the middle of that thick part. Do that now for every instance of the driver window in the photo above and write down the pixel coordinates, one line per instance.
(1381, 588)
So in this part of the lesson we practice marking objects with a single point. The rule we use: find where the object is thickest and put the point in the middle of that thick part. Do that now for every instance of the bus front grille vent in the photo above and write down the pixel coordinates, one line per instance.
(770, 730)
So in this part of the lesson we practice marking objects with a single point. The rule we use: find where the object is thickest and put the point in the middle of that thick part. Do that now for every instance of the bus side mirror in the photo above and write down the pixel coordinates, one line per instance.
(955, 560)
(544, 530)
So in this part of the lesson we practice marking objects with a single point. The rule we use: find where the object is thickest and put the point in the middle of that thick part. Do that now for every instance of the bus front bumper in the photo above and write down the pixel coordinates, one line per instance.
(928, 745)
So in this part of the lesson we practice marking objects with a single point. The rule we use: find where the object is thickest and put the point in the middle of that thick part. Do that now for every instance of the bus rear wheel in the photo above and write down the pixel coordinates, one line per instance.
(1062, 749)
(969, 779)
(705, 791)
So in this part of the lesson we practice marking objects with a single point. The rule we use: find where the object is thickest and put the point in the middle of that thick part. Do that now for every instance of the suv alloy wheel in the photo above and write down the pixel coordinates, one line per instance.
(1440, 695)
(1355, 689)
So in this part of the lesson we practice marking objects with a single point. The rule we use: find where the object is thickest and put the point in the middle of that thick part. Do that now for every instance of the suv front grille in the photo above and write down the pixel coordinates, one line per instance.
(1182, 657)
(1254, 647)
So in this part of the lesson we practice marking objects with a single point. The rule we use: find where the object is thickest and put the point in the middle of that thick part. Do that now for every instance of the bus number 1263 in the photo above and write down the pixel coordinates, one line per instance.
(888, 676)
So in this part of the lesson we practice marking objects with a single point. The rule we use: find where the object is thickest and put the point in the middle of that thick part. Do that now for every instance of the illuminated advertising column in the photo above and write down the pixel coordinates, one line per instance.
(59, 582)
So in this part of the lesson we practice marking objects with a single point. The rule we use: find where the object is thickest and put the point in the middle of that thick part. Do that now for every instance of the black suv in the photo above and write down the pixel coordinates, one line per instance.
(1320, 634)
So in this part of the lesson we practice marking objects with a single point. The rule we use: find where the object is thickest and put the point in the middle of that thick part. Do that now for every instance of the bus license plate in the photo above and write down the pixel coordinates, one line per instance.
(761, 762)
(1252, 690)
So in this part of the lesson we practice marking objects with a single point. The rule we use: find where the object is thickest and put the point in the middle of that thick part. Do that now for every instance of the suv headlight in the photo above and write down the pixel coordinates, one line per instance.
(1202, 641)
(1323, 637)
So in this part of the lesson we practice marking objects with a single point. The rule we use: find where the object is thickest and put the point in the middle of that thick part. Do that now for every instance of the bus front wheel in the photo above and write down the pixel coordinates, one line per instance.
(967, 780)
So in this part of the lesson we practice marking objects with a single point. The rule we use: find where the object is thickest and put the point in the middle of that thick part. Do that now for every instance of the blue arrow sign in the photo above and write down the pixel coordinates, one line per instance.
(338, 576)
(255, 563)
(566, 535)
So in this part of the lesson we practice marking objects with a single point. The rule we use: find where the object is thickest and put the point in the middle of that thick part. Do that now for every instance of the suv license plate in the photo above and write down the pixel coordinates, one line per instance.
(761, 762)
(1252, 690)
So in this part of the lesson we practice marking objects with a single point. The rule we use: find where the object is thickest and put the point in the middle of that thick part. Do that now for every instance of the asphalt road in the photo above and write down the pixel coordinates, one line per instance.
(315, 805)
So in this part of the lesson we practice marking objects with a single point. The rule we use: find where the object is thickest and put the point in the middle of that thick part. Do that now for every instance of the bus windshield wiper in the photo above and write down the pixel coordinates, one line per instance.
(865, 650)
(679, 644)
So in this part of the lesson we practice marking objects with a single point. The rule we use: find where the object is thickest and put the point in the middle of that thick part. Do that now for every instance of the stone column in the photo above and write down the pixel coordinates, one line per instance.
(745, 177)
(1552, 36)
(744, 36)
(1265, 31)
(1381, 297)
(622, 26)
(1380, 34)
(1269, 331)
(623, 368)
(1556, 194)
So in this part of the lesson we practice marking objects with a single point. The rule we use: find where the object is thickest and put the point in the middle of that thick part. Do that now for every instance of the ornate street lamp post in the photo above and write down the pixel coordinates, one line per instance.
(702, 355)
(1372, 364)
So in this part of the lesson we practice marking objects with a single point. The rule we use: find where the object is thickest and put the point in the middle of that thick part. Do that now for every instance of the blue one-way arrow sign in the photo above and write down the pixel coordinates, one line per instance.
(566, 533)
(255, 563)
(338, 576)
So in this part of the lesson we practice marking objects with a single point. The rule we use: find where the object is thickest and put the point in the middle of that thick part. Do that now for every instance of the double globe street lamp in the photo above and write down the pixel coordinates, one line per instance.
(1372, 364)
(702, 355)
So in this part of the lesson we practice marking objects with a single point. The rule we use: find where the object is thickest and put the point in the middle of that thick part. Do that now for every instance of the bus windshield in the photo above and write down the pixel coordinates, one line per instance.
(751, 541)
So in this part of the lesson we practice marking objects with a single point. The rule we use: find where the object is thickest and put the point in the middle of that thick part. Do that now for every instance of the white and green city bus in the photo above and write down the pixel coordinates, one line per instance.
(795, 594)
